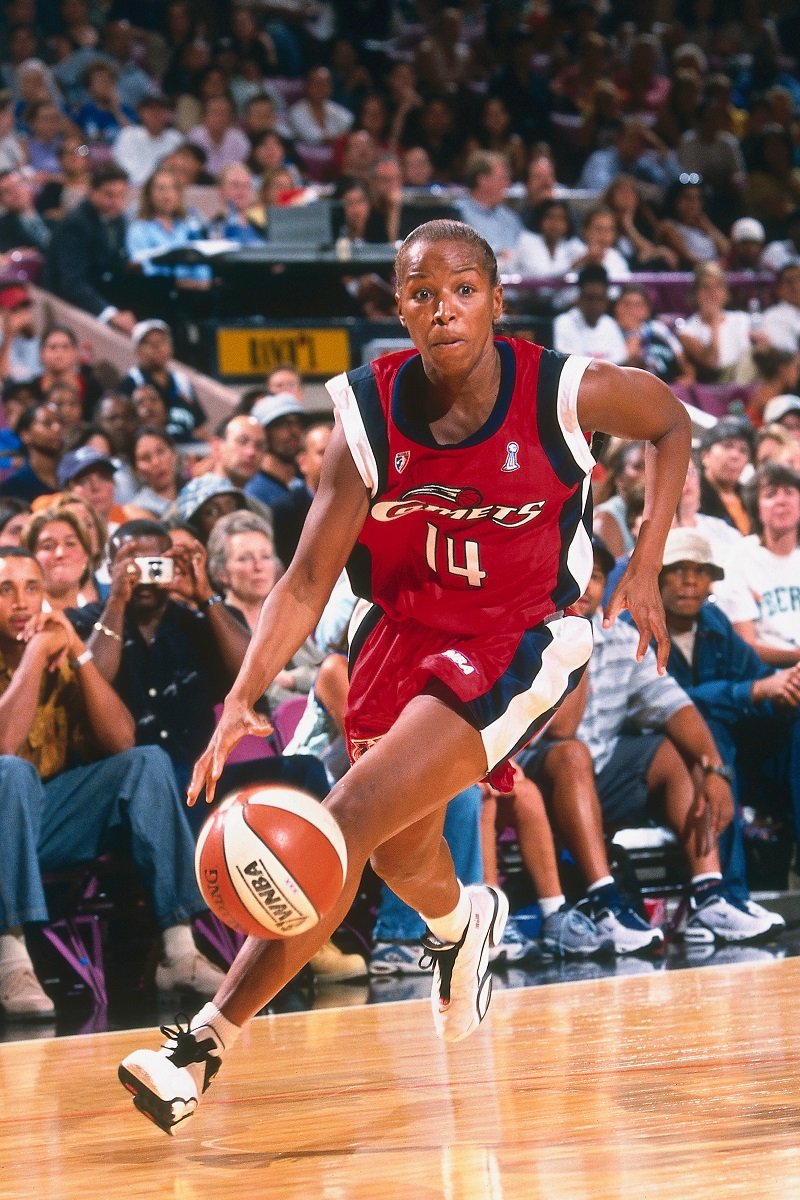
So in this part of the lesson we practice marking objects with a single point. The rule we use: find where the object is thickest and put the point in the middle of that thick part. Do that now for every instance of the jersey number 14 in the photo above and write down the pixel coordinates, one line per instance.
(440, 553)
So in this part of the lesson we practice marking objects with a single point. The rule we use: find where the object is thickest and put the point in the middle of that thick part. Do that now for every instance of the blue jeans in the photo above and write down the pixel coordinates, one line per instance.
(396, 922)
(76, 816)
(766, 753)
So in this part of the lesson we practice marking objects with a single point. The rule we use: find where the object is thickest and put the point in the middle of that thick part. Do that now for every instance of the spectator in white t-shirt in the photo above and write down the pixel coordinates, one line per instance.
(599, 236)
(780, 253)
(717, 341)
(140, 148)
(587, 328)
(316, 119)
(781, 322)
(550, 247)
(765, 608)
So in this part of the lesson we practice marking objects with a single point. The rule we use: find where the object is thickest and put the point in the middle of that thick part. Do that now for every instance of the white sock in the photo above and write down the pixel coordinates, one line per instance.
(178, 942)
(550, 904)
(209, 1017)
(13, 952)
(450, 927)
(603, 881)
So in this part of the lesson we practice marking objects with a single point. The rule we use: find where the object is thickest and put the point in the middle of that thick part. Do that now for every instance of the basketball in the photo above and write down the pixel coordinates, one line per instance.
(271, 861)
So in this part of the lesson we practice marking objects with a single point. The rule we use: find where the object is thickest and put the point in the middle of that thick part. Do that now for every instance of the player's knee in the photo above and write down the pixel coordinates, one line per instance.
(391, 869)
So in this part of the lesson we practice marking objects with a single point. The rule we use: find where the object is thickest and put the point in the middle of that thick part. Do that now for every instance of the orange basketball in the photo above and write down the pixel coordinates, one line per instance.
(271, 861)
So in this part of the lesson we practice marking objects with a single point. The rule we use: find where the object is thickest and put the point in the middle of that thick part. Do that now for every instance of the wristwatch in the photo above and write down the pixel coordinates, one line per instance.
(81, 659)
(722, 769)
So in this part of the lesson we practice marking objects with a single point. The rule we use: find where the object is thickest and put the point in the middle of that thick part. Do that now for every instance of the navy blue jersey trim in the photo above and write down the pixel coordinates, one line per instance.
(551, 437)
(359, 571)
(362, 633)
(365, 389)
(420, 433)
(566, 590)
(524, 667)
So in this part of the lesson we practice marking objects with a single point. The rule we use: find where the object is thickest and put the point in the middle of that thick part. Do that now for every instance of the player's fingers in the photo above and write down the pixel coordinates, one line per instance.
(198, 779)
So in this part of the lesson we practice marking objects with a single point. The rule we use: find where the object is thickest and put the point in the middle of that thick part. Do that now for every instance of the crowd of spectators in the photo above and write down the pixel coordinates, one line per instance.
(611, 159)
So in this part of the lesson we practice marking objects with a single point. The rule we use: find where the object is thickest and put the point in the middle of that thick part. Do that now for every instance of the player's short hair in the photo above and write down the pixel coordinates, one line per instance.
(448, 231)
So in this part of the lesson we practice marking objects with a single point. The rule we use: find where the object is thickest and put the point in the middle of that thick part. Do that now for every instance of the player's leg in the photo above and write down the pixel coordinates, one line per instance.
(458, 942)
(405, 780)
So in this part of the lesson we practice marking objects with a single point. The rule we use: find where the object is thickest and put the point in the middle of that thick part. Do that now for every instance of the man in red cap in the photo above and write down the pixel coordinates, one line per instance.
(19, 348)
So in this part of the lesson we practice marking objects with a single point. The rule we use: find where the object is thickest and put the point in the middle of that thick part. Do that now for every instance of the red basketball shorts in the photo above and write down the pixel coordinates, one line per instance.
(506, 685)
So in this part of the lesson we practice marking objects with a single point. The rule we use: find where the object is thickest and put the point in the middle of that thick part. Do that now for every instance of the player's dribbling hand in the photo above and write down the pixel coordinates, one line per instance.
(637, 591)
(237, 720)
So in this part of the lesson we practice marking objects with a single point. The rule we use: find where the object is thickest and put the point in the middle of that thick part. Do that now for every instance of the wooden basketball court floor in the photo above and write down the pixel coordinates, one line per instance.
(669, 1086)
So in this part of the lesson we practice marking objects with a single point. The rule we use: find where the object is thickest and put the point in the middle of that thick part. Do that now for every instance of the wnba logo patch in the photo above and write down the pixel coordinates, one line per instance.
(511, 464)
(401, 461)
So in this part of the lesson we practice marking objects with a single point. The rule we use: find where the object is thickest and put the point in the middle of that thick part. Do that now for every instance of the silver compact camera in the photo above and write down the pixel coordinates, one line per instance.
(155, 569)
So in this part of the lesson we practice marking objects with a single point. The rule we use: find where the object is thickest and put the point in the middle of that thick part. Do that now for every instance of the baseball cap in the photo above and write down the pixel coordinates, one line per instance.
(14, 295)
(193, 496)
(689, 545)
(85, 458)
(747, 229)
(272, 408)
(605, 559)
(728, 427)
(777, 408)
(142, 328)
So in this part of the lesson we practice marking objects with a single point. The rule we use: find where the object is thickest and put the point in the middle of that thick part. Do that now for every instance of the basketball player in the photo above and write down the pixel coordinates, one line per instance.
(456, 486)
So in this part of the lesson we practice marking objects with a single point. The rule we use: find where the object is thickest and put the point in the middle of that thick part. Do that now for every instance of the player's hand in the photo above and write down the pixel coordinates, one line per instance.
(237, 720)
(637, 591)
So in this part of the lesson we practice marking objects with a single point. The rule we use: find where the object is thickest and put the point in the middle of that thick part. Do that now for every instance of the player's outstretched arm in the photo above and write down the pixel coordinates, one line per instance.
(293, 608)
(629, 403)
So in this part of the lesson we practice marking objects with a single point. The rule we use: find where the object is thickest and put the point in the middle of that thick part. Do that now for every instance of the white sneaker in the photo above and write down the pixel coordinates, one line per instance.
(629, 933)
(757, 910)
(190, 973)
(722, 918)
(167, 1084)
(462, 980)
(22, 997)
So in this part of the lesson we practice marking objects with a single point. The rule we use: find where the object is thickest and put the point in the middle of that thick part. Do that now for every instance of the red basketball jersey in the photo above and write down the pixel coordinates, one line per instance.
(492, 532)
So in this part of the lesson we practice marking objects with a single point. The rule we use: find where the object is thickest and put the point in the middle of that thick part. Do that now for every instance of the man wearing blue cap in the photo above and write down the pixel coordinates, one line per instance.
(282, 417)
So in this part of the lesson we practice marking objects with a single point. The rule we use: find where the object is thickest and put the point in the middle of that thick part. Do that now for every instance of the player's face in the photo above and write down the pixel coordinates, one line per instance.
(448, 306)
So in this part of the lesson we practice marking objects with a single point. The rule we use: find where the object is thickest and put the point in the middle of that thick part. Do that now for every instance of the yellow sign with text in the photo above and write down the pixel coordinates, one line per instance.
(245, 352)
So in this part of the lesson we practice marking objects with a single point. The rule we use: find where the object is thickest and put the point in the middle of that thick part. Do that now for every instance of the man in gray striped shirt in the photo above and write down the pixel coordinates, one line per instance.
(628, 745)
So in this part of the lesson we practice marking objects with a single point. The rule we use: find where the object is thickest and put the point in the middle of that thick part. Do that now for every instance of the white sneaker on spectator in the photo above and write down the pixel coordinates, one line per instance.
(718, 916)
(462, 979)
(513, 946)
(757, 910)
